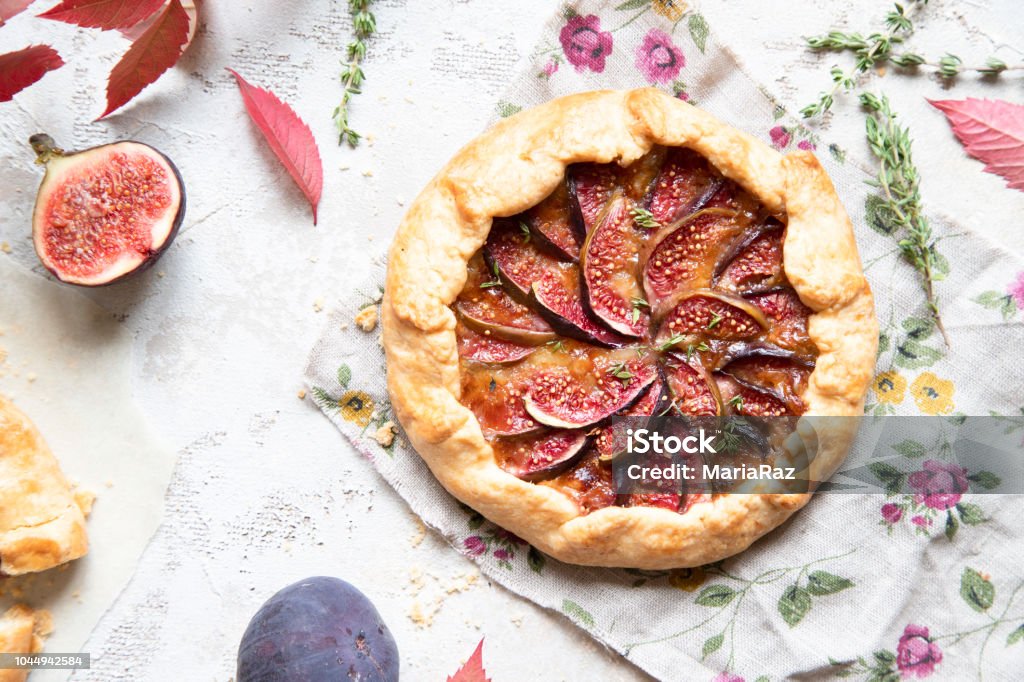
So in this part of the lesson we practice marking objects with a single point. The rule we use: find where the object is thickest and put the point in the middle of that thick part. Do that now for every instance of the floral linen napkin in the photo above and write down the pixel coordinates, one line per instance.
(864, 586)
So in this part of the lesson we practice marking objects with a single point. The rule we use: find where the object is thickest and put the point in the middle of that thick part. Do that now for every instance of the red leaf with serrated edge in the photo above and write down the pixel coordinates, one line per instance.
(150, 55)
(991, 131)
(105, 14)
(288, 136)
(8, 8)
(473, 670)
(20, 69)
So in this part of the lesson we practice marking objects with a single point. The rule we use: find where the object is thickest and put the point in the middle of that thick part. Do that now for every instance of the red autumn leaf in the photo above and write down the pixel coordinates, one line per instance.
(105, 14)
(8, 8)
(473, 670)
(150, 55)
(991, 131)
(288, 136)
(20, 69)
(191, 9)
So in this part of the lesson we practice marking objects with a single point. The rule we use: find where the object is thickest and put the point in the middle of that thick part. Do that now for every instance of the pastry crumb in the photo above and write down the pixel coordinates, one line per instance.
(318, 304)
(5, 247)
(301, 394)
(421, 532)
(85, 500)
(368, 173)
(31, 377)
(109, 483)
(161, 274)
(517, 620)
(366, 318)
(385, 435)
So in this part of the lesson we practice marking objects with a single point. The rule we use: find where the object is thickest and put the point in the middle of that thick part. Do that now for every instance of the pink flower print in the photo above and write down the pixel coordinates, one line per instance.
(474, 544)
(916, 654)
(780, 137)
(727, 677)
(501, 555)
(922, 521)
(806, 145)
(550, 68)
(891, 513)
(939, 485)
(658, 58)
(1016, 290)
(584, 44)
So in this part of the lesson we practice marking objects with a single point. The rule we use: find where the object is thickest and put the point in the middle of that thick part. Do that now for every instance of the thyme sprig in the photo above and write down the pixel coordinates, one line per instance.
(898, 181)
(621, 372)
(364, 25)
(644, 218)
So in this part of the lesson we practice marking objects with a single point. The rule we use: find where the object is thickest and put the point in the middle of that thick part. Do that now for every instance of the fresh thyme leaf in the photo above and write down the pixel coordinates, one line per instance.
(715, 320)
(621, 372)
(364, 25)
(898, 183)
(526, 231)
(557, 345)
(671, 341)
(644, 218)
(488, 285)
(494, 269)
(639, 302)
(636, 314)
(736, 401)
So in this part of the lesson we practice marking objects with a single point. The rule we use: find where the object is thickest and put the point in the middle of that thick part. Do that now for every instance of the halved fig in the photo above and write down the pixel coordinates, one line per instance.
(589, 482)
(487, 348)
(755, 263)
(739, 398)
(684, 185)
(591, 185)
(556, 397)
(693, 391)
(495, 395)
(552, 224)
(682, 254)
(785, 376)
(608, 267)
(489, 310)
(514, 260)
(707, 314)
(104, 213)
(611, 440)
(542, 455)
(558, 299)
(788, 317)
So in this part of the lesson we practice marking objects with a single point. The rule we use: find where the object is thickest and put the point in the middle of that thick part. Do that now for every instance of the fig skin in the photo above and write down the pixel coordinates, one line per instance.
(48, 154)
(317, 629)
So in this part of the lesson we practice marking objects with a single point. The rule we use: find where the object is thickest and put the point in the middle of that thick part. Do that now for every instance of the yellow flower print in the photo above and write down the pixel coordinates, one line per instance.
(687, 579)
(932, 394)
(356, 407)
(890, 388)
(670, 9)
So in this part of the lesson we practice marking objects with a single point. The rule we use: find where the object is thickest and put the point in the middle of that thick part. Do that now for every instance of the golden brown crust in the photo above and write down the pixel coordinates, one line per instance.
(514, 166)
(21, 632)
(41, 526)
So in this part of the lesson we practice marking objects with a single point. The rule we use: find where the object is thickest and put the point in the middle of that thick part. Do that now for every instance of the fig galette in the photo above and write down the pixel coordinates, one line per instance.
(615, 253)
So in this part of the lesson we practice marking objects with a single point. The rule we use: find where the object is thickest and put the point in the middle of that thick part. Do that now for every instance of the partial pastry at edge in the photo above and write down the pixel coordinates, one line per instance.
(41, 525)
(21, 632)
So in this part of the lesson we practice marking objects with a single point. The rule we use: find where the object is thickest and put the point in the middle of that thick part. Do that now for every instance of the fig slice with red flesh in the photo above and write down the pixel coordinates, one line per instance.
(485, 348)
(706, 314)
(553, 225)
(782, 374)
(788, 317)
(591, 185)
(486, 307)
(550, 286)
(694, 392)
(557, 398)
(608, 267)
(589, 481)
(755, 263)
(105, 213)
(495, 396)
(686, 182)
(739, 398)
(611, 440)
(538, 456)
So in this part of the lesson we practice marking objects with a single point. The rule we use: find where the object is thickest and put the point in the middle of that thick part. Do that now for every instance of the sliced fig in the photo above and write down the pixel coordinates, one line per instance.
(684, 185)
(783, 376)
(703, 313)
(788, 317)
(495, 395)
(611, 441)
(540, 456)
(552, 224)
(693, 390)
(591, 185)
(482, 347)
(739, 398)
(556, 397)
(608, 267)
(682, 254)
(489, 310)
(514, 259)
(104, 213)
(557, 297)
(589, 482)
(754, 264)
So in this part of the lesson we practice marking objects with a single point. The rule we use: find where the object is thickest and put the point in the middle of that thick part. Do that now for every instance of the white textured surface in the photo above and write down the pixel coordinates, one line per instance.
(266, 491)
